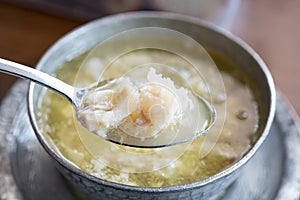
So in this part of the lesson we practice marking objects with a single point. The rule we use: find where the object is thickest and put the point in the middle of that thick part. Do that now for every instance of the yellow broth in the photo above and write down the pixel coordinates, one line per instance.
(227, 142)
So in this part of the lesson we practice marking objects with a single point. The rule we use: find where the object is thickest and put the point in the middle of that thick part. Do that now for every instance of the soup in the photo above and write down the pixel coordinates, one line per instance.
(233, 134)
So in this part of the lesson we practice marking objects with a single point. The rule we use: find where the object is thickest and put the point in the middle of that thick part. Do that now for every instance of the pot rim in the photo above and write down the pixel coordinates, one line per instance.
(155, 15)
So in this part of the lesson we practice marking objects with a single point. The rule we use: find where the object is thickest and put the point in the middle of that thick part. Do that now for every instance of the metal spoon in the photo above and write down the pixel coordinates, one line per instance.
(76, 95)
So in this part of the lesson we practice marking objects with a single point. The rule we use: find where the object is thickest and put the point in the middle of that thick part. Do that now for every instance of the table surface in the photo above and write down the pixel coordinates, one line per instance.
(270, 27)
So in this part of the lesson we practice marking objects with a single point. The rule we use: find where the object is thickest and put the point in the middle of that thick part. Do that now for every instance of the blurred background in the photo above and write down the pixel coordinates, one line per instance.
(271, 27)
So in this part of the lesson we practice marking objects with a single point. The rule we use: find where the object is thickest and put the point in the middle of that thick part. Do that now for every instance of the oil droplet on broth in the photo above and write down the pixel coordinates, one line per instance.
(242, 115)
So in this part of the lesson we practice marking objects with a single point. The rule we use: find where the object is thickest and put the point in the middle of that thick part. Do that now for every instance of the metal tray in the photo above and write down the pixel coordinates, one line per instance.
(27, 172)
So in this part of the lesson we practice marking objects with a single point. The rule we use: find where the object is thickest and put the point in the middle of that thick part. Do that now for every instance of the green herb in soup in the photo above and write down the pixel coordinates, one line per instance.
(227, 142)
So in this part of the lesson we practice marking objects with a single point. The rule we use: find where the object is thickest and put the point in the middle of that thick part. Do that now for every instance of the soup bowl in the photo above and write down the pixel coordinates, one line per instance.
(87, 36)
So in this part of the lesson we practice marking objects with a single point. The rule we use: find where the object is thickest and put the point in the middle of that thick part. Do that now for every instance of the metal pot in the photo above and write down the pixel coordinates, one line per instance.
(88, 35)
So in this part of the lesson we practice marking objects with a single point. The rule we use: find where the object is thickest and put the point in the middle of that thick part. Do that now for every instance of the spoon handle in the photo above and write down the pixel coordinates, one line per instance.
(37, 76)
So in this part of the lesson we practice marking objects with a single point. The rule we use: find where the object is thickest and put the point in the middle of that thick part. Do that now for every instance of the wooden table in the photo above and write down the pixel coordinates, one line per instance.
(270, 27)
(25, 35)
